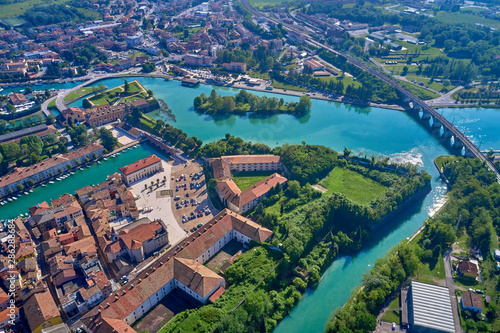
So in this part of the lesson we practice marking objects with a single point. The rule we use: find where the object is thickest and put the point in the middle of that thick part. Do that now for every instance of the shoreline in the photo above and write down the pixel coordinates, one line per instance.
(276, 91)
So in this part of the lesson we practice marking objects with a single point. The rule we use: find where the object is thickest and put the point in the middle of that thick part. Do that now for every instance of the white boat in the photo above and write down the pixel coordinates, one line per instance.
(9, 200)
(81, 169)
(1, 203)
(58, 179)
(43, 185)
(136, 146)
(72, 173)
(98, 162)
(25, 193)
(114, 155)
(31, 190)
(51, 182)
(105, 158)
(14, 198)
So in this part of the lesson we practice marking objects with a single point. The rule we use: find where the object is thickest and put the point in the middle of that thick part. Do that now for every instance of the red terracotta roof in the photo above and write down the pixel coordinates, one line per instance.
(248, 159)
(466, 266)
(41, 307)
(134, 238)
(472, 300)
(215, 296)
(136, 166)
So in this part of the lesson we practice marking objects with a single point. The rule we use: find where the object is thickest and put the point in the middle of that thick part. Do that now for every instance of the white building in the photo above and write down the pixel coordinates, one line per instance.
(141, 169)
(135, 40)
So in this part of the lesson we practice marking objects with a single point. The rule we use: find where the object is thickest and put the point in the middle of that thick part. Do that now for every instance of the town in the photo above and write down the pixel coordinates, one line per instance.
(177, 166)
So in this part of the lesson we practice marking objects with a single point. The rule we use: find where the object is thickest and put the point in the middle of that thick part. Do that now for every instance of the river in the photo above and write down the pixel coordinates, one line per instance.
(369, 130)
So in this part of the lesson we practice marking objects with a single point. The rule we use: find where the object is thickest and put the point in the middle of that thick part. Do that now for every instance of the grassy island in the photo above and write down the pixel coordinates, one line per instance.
(245, 102)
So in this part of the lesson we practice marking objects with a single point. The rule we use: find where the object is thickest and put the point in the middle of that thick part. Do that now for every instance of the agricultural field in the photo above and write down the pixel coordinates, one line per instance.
(246, 179)
(353, 185)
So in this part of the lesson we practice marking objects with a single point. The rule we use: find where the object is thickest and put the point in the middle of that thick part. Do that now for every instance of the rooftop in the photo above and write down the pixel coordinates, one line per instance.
(431, 307)
(141, 164)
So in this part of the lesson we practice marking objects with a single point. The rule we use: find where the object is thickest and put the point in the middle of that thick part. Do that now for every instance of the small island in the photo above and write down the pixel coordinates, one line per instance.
(245, 102)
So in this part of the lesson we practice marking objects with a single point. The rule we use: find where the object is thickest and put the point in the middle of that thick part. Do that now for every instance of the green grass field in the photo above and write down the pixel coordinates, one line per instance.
(263, 3)
(444, 159)
(353, 185)
(112, 95)
(78, 93)
(246, 179)
(279, 85)
(420, 92)
(18, 7)
(466, 18)
(391, 316)
(346, 80)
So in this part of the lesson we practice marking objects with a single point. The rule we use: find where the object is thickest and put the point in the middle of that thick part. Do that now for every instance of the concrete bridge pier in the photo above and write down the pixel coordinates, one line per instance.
(416, 107)
(457, 144)
(426, 115)
(436, 123)
(468, 152)
(447, 133)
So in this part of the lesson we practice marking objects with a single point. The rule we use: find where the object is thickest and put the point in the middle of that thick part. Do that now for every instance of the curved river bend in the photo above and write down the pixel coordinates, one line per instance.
(368, 130)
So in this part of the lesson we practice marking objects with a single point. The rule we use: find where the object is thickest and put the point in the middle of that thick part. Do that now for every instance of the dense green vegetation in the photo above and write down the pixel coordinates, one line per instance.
(29, 150)
(245, 102)
(172, 135)
(231, 145)
(55, 13)
(473, 207)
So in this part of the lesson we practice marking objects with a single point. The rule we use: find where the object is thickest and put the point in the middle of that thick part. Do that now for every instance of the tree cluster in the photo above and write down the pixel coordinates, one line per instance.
(245, 102)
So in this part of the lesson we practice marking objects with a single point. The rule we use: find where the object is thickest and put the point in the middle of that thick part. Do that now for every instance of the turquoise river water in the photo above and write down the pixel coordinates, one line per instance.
(370, 130)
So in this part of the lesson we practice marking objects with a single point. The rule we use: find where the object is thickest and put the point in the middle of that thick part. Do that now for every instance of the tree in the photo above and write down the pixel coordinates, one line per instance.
(31, 182)
(11, 109)
(366, 322)
(127, 86)
(294, 188)
(101, 88)
(107, 139)
(150, 93)
(304, 105)
(20, 187)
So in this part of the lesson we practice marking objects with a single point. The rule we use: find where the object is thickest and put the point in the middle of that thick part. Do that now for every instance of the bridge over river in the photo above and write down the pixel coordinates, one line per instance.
(449, 130)
(460, 141)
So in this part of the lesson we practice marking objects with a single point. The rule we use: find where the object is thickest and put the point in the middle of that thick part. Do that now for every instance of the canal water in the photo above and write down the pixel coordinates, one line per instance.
(56, 86)
(366, 130)
(94, 174)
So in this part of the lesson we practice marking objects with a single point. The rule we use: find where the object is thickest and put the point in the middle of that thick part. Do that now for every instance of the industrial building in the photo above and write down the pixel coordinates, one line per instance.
(428, 309)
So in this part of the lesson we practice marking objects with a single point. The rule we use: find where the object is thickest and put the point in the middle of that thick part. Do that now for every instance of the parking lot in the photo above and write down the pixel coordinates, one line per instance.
(190, 203)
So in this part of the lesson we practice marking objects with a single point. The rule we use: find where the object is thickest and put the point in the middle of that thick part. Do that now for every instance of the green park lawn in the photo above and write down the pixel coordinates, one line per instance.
(78, 93)
(391, 316)
(136, 92)
(279, 85)
(346, 80)
(353, 185)
(445, 159)
(246, 179)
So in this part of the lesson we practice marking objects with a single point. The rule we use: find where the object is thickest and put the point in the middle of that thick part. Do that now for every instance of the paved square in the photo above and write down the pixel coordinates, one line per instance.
(158, 206)
(123, 137)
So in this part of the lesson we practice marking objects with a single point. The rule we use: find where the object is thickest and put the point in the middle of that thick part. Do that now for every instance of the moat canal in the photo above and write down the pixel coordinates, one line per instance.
(369, 130)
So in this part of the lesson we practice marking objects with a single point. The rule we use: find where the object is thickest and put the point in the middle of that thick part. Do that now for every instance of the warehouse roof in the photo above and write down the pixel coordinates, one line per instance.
(431, 307)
